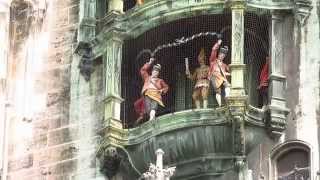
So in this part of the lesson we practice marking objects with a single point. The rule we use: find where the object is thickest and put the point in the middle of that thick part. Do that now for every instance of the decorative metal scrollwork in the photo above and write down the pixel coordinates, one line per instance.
(296, 174)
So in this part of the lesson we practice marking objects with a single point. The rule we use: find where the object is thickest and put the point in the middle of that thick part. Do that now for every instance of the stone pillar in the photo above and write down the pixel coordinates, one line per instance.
(87, 23)
(4, 127)
(86, 33)
(277, 111)
(112, 132)
(308, 28)
(237, 99)
(237, 48)
(114, 137)
(112, 69)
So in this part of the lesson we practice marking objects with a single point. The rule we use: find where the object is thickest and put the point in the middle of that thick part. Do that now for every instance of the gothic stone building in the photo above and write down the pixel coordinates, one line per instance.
(69, 76)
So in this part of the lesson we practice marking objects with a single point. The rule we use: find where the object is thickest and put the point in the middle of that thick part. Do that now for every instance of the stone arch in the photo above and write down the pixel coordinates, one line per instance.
(294, 154)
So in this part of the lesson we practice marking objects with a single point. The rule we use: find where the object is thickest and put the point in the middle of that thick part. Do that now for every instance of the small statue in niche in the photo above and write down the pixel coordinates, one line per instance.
(152, 91)
(263, 83)
(219, 71)
(200, 75)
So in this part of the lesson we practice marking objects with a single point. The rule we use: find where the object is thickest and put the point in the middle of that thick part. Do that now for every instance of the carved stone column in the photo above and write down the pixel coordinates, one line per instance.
(307, 13)
(4, 119)
(237, 48)
(86, 34)
(277, 111)
(112, 69)
(113, 135)
(237, 100)
(87, 22)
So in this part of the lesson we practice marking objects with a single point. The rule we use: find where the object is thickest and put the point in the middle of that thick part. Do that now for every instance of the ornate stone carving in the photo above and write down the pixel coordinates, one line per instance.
(84, 50)
(275, 119)
(238, 136)
(302, 10)
(110, 161)
(157, 172)
(114, 159)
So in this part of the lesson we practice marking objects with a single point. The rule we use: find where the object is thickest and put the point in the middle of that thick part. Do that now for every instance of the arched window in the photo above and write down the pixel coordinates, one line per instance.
(291, 161)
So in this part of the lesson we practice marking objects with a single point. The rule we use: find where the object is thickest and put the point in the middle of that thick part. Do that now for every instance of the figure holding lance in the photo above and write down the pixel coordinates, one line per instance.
(219, 71)
(200, 75)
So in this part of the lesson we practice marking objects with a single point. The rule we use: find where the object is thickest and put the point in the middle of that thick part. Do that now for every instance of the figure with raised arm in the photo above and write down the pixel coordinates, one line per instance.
(153, 88)
(263, 83)
(200, 76)
(219, 71)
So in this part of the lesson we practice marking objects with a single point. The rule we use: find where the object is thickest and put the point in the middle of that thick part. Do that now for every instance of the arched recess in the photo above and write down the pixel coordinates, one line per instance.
(291, 160)
(172, 59)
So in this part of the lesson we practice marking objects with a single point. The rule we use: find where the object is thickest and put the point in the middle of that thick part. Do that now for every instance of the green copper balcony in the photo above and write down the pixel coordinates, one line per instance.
(201, 143)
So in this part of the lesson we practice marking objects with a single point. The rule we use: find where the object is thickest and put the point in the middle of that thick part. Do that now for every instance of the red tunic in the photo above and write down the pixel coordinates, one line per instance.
(264, 76)
(214, 67)
(157, 85)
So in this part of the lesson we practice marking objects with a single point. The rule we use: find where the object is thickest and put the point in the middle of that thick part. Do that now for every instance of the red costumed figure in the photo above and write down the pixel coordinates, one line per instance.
(219, 71)
(152, 91)
(263, 83)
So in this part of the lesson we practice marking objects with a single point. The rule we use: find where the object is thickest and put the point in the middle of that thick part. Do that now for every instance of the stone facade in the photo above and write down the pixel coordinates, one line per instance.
(44, 127)
(60, 92)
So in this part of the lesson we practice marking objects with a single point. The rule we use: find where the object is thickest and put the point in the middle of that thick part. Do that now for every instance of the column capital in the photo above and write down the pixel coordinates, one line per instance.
(277, 14)
(115, 34)
(302, 10)
(237, 4)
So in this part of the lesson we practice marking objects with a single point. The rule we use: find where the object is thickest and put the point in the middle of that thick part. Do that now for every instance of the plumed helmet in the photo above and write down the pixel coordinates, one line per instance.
(202, 54)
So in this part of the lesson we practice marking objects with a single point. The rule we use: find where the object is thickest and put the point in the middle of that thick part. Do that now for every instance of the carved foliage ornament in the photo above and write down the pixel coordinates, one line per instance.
(302, 10)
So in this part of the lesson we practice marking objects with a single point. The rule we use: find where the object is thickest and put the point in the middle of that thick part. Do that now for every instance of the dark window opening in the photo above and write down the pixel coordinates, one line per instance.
(256, 48)
(293, 165)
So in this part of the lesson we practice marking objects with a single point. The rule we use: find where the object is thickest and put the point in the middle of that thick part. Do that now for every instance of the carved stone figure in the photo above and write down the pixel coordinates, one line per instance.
(200, 75)
(152, 91)
(263, 83)
(219, 71)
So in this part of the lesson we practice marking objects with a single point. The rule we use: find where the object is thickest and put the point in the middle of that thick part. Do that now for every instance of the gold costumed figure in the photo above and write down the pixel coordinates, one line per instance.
(202, 84)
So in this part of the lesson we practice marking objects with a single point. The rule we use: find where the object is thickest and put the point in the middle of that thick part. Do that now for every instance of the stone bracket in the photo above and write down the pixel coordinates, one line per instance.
(114, 159)
(86, 64)
(275, 118)
(237, 107)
